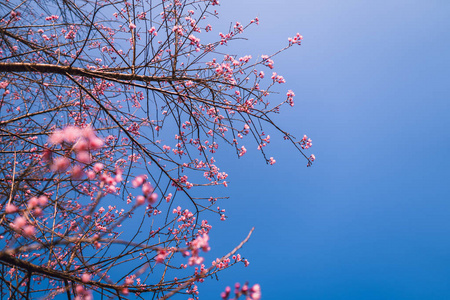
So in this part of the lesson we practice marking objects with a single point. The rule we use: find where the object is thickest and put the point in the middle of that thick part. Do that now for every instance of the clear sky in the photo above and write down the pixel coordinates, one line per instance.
(371, 218)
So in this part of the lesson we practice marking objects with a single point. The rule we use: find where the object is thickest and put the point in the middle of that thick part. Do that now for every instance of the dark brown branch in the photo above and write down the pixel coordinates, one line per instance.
(63, 70)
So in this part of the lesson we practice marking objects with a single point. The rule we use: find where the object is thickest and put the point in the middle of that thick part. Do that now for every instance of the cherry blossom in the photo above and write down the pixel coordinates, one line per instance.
(112, 116)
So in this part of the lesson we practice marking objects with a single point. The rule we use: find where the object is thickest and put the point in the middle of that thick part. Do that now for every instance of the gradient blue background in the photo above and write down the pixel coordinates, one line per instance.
(371, 218)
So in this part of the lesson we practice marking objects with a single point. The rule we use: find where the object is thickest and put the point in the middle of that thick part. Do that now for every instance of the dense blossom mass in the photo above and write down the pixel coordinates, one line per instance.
(111, 113)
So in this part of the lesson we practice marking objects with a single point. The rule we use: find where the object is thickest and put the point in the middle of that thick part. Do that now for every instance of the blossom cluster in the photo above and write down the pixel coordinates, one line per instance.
(253, 293)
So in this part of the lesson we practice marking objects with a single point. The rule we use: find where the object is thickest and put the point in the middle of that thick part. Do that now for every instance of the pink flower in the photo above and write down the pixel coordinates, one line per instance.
(132, 26)
(77, 172)
(85, 277)
(98, 167)
(195, 260)
(52, 18)
(29, 231)
(147, 189)
(140, 200)
(19, 222)
(71, 133)
(153, 31)
(168, 197)
(111, 189)
(272, 161)
(57, 137)
(70, 35)
(84, 157)
(119, 177)
(152, 198)
(37, 211)
(242, 151)
(91, 175)
(95, 143)
(33, 202)
(43, 200)
(138, 181)
(162, 254)
(255, 292)
(60, 164)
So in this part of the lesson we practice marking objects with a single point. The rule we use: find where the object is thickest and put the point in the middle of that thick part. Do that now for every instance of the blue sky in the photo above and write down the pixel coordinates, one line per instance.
(370, 219)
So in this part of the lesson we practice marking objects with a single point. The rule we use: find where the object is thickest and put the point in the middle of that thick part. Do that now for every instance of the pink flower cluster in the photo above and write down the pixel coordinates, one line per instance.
(147, 190)
(267, 61)
(277, 78)
(84, 138)
(272, 161)
(296, 39)
(106, 179)
(52, 18)
(290, 97)
(242, 151)
(153, 31)
(162, 254)
(20, 224)
(80, 141)
(201, 242)
(3, 85)
(82, 293)
(305, 143)
(310, 160)
(253, 293)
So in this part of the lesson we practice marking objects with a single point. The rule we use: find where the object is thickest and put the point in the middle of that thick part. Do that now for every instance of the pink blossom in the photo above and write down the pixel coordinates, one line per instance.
(52, 18)
(60, 164)
(85, 277)
(77, 172)
(195, 260)
(129, 280)
(84, 157)
(98, 167)
(272, 161)
(29, 231)
(152, 198)
(37, 211)
(242, 151)
(72, 133)
(296, 40)
(147, 189)
(95, 143)
(153, 31)
(162, 254)
(111, 189)
(33, 202)
(255, 292)
(168, 197)
(138, 181)
(19, 222)
(43, 200)
(140, 200)
(119, 177)
(70, 35)
(91, 175)
(57, 137)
